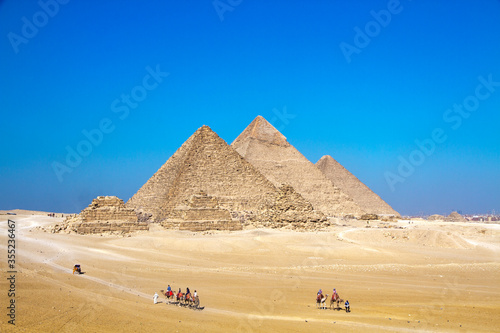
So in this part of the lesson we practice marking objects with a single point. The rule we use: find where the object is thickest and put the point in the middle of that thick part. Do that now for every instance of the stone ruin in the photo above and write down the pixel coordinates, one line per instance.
(105, 214)
(453, 217)
(369, 217)
(200, 213)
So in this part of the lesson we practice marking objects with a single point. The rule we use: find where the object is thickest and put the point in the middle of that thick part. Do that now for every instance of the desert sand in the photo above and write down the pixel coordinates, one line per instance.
(397, 276)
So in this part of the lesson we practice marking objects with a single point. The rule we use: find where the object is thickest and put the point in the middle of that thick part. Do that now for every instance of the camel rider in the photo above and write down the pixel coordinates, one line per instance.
(320, 295)
(195, 294)
(169, 292)
(188, 293)
(335, 295)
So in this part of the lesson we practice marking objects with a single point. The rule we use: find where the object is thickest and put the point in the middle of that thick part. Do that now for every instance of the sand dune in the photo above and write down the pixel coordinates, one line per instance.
(397, 276)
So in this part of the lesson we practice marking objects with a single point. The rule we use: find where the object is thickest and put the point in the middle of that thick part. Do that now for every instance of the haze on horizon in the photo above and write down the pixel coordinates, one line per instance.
(95, 97)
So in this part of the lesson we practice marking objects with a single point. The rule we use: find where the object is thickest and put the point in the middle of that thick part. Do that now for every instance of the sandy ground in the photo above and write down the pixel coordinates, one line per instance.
(398, 277)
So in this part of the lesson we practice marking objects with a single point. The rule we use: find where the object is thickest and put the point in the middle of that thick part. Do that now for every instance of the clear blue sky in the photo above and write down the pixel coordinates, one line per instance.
(360, 81)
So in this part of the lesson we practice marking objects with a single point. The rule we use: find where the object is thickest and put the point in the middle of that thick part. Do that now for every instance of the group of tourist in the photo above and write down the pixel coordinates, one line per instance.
(335, 297)
(170, 293)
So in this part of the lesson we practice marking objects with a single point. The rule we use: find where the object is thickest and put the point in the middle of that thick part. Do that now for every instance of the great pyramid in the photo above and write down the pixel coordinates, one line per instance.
(370, 202)
(268, 150)
(206, 165)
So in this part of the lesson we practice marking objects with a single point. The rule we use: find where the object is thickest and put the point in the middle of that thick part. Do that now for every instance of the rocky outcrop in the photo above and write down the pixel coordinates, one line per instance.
(436, 217)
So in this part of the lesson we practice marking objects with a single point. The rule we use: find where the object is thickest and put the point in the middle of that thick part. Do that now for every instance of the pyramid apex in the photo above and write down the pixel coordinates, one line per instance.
(205, 127)
(326, 161)
(262, 130)
(326, 158)
(204, 130)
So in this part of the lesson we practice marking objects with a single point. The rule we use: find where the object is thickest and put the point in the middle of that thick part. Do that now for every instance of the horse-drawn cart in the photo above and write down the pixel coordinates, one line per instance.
(77, 269)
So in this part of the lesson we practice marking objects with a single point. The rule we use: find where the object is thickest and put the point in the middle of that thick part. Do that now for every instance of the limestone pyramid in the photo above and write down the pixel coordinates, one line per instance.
(268, 150)
(105, 214)
(455, 217)
(436, 217)
(202, 212)
(206, 164)
(370, 202)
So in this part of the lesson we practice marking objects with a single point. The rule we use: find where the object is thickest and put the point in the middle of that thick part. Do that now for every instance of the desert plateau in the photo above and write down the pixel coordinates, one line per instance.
(401, 276)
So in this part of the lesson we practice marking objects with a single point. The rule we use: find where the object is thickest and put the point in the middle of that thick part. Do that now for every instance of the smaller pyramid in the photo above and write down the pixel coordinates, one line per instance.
(105, 214)
(455, 217)
(201, 212)
(291, 209)
(436, 217)
(361, 194)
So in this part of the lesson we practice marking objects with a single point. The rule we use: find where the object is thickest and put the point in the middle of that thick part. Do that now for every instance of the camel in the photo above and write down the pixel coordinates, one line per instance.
(193, 301)
(168, 294)
(321, 301)
(185, 300)
(188, 299)
(336, 299)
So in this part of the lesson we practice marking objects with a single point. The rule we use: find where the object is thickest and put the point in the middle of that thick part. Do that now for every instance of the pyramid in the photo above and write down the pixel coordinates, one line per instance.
(436, 217)
(370, 202)
(206, 171)
(202, 212)
(455, 217)
(105, 214)
(269, 152)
